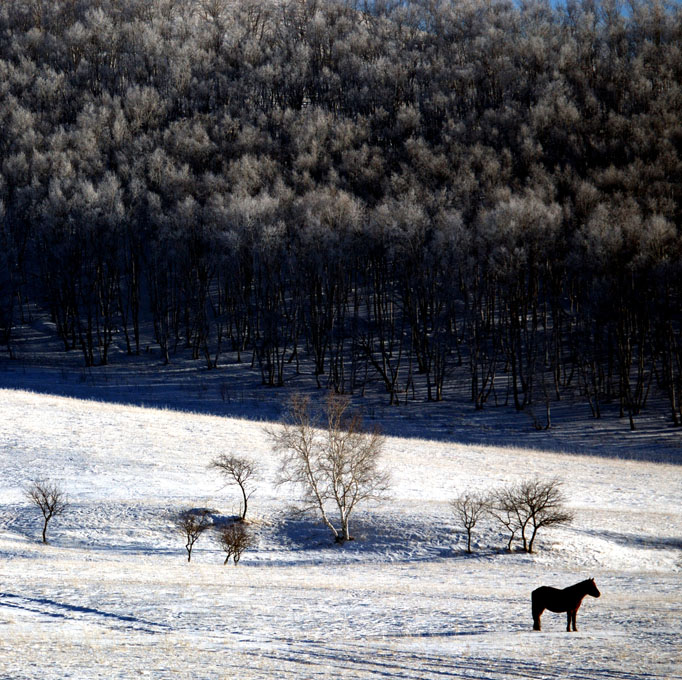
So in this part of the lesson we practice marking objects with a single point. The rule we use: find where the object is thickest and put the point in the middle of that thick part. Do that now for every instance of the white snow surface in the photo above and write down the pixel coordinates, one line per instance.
(112, 594)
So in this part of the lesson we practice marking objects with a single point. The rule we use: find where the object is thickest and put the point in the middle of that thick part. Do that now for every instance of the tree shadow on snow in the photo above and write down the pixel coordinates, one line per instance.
(637, 540)
(380, 537)
(304, 533)
(62, 610)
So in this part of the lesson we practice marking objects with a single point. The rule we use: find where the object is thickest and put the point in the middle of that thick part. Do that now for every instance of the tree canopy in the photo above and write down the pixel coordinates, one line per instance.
(421, 194)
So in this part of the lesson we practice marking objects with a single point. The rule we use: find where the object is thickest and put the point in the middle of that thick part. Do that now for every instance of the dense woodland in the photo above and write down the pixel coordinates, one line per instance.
(425, 196)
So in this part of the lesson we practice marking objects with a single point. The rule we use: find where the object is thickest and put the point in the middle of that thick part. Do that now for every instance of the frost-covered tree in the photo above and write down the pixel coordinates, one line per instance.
(333, 461)
(403, 196)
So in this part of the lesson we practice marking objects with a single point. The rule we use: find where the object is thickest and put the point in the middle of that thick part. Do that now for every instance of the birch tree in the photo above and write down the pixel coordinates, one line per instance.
(332, 460)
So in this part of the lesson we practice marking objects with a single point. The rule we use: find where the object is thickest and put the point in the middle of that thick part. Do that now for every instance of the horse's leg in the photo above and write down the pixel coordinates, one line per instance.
(537, 613)
(575, 614)
(570, 620)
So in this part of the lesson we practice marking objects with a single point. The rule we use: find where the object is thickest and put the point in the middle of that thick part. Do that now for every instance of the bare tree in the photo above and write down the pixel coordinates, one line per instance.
(469, 508)
(50, 499)
(543, 502)
(237, 470)
(336, 467)
(528, 506)
(504, 508)
(191, 524)
(234, 539)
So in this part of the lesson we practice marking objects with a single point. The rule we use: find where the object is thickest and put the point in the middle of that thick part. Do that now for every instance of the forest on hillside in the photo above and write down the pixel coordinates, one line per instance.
(424, 195)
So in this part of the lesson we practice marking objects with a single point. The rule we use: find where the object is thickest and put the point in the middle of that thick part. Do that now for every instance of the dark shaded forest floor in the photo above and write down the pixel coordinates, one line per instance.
(235, 389)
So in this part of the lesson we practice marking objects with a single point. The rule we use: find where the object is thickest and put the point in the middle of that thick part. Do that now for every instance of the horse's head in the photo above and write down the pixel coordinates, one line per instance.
(592, 588)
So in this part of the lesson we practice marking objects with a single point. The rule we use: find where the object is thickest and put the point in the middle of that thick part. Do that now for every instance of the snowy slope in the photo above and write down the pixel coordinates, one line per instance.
(113, 596)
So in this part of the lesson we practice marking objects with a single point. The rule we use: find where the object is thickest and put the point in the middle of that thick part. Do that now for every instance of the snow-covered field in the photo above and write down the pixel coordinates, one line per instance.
(113, 596)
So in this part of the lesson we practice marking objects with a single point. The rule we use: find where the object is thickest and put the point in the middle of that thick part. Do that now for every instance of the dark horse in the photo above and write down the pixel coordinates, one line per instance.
(567, 600)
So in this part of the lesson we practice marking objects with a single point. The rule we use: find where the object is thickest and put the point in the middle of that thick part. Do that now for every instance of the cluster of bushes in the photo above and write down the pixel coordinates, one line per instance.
(522, 509)
(420, 195)
(234, 538)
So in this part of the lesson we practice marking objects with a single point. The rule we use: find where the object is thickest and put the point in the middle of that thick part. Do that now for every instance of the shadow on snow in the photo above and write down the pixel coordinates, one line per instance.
(62, 610)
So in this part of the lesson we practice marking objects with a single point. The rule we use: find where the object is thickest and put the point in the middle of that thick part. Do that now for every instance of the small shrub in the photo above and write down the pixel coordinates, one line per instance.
(191, 524)
(469, 508)
(234, 539)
